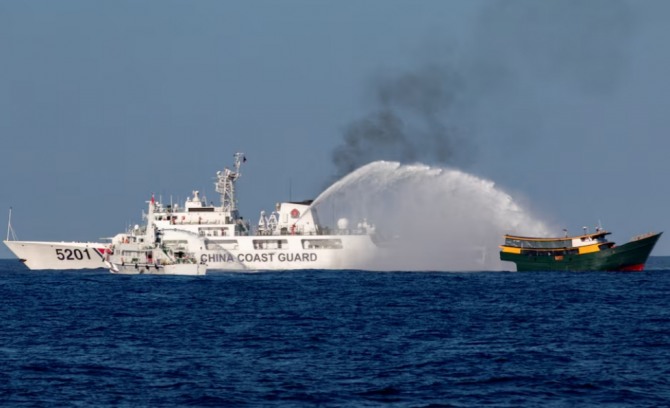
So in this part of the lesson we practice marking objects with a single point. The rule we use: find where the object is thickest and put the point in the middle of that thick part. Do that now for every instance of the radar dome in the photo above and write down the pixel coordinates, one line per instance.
(343, 223)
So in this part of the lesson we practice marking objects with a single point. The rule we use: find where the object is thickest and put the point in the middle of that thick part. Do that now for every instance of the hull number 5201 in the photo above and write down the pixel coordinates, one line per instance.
(72, 254)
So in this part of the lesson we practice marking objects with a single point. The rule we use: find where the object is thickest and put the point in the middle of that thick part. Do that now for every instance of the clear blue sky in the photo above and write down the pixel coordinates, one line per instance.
(564, 104)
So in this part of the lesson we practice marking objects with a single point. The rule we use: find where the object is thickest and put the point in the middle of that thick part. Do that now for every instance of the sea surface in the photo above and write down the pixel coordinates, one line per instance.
(335, 338)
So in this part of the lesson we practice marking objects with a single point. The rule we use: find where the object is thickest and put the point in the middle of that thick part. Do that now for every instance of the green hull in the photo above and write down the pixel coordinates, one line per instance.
(628, 257)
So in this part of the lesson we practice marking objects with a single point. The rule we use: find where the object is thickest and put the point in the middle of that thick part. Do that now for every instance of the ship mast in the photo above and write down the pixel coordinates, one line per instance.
(10, 230)
(225, 183)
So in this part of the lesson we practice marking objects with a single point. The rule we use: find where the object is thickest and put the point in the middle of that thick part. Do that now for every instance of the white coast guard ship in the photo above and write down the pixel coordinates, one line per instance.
(290, 237)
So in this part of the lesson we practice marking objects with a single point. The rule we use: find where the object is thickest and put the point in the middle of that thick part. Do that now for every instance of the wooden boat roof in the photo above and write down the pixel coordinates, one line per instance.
(540, 239)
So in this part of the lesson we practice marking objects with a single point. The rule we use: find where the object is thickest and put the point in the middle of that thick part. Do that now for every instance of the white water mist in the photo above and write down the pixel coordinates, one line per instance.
(434, 218)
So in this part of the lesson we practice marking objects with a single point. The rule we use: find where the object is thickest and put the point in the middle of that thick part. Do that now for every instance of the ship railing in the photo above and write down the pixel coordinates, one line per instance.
(301, 232)
(195, 222)
(642, 236)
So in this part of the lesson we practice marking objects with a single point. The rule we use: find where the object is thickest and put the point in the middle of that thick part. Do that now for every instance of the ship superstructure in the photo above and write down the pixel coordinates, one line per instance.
(290, 237)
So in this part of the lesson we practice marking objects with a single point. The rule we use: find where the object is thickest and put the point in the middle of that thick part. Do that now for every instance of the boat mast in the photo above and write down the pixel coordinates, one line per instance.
(10, 230)
(225, 183)
(150, 231)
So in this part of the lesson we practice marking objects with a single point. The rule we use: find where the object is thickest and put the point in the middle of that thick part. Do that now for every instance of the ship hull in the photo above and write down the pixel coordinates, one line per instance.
(296, 254)
(631, 256)
(44, 255)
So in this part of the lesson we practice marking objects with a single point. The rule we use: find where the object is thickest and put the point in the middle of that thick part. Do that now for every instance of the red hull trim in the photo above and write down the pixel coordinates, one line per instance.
(633, 268)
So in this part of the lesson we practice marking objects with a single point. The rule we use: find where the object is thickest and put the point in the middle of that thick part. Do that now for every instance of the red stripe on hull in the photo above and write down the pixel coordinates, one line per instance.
(633, 268)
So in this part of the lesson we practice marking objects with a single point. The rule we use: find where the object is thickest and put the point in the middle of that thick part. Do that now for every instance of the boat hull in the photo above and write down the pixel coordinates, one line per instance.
(43, 255)
(187, 269)
(631, 256)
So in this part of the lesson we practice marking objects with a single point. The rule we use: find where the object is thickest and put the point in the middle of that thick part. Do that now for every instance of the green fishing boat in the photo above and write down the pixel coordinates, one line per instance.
(587, 252)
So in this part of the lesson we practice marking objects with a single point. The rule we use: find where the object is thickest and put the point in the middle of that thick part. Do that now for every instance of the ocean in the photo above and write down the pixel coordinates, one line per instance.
(335, 338)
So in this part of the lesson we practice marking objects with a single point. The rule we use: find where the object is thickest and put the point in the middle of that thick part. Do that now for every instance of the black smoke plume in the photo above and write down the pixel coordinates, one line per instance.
(411, 122)
(517, 48)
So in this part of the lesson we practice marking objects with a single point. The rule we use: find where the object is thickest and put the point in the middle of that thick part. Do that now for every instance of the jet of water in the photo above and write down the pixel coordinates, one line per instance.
(432, 218)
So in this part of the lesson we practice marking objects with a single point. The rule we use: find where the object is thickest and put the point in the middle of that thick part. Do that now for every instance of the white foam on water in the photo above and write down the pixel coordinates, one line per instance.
(434, 218)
